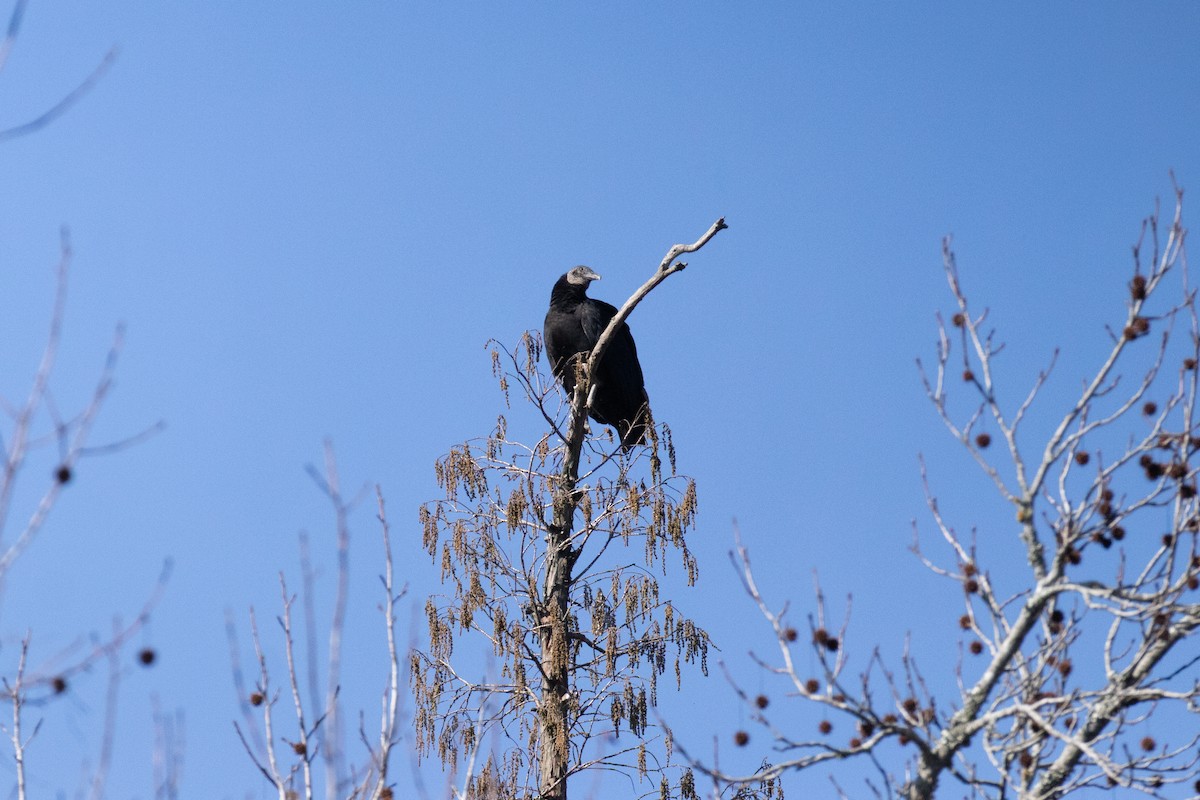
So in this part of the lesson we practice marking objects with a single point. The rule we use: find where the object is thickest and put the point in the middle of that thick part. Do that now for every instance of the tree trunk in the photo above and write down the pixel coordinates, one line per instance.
(554, 711)
(555, 702)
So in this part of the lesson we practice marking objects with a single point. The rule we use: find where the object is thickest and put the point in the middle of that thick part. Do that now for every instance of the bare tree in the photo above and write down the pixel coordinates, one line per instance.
(36, 425)
(534, 543)
(1061, 668)
(298, 715)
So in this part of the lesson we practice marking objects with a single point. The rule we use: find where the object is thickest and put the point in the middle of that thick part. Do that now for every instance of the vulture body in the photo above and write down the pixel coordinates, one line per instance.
(573, 326)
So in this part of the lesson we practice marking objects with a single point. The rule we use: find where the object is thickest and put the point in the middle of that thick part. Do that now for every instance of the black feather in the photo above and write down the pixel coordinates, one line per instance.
(573, 326)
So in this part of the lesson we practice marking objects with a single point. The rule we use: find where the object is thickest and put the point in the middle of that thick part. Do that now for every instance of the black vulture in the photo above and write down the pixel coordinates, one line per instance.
(573, 326)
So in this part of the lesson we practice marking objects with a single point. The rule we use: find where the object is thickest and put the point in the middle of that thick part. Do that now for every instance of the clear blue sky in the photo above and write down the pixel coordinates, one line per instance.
(311, 217)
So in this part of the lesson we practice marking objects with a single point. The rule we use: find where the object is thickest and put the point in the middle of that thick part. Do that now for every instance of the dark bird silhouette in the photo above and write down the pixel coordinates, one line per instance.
(573, 326)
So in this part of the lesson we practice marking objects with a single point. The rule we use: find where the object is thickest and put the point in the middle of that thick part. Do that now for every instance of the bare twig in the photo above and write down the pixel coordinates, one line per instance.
(62, 106)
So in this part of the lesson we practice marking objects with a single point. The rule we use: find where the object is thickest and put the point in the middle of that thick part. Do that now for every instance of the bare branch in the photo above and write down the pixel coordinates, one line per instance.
(62, 106)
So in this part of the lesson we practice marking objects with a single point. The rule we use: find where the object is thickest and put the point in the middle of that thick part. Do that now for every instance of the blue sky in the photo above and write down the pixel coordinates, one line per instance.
(312, 217)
